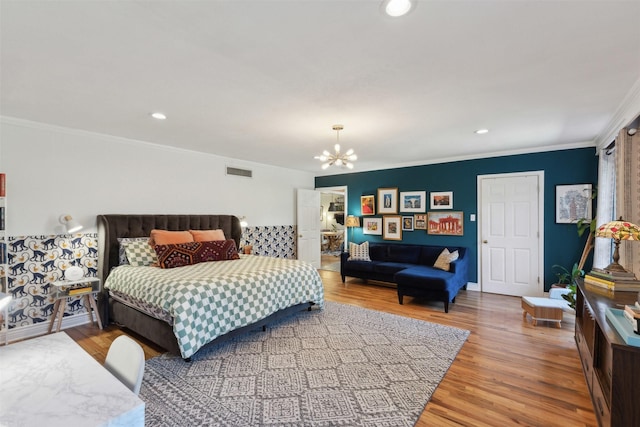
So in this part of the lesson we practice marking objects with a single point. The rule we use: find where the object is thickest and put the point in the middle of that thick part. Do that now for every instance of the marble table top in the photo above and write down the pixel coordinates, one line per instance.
(52, 381)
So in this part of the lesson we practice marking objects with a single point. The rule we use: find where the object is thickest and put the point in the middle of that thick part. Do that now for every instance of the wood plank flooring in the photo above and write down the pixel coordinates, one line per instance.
(507, 373)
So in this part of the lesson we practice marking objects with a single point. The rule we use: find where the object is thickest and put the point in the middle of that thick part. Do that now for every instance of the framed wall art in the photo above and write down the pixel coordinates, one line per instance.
(420, 222)
(368, 205)
(407, 223)
(413, 201)
(573, 202)
(441, 199)
(387, 200)
(392, 227)
(446, 223)
(372, 226)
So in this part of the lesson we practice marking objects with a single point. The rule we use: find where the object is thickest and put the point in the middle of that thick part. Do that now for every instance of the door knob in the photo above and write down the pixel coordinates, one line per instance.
(485, 241)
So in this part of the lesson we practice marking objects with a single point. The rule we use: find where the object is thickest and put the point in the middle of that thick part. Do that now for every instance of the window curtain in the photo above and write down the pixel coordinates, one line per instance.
(628, 194)
(605, 204)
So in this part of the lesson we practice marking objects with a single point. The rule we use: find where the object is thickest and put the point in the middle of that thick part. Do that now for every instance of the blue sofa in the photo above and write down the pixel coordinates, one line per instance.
(410, 267)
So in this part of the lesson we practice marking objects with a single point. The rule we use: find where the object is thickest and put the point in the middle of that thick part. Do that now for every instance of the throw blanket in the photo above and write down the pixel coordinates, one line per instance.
(209, 299)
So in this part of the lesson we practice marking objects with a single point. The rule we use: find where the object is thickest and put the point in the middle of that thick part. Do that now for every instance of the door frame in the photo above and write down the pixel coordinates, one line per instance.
(343, 189)
(540, 175)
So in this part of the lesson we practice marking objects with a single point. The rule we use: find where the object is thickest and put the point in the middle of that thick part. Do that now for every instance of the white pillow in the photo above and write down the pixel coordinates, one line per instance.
(359, 252)
(445, 258)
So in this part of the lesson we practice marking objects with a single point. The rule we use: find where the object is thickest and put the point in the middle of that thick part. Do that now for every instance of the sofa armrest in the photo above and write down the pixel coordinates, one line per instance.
(344, 256)
(460, 268)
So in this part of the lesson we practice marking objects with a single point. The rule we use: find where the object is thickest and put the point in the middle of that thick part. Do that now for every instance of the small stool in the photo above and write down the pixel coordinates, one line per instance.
(542, 309)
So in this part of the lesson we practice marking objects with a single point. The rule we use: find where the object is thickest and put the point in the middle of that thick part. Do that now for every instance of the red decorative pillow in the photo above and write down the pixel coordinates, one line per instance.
(181, 254)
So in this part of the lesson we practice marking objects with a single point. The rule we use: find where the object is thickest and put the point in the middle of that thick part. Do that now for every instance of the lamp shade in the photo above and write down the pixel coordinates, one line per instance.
(70, 224)
(619, 230)
(332, 207)
(352, 221)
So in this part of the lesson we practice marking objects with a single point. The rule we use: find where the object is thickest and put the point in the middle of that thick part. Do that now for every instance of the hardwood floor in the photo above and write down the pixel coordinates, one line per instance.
(507, 373)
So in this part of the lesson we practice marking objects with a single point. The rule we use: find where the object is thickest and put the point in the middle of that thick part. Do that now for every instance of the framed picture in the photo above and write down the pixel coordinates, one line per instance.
(372, 226)
(368, 205)
(573, 202)
(420, 222)
(407, 223)
(413, 201)
(445, 223)
(441, 199)
(392, 227)
(387, 200)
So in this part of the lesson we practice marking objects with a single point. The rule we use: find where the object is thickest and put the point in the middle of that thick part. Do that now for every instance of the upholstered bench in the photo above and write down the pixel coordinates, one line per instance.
(430, 283)
(543, 309)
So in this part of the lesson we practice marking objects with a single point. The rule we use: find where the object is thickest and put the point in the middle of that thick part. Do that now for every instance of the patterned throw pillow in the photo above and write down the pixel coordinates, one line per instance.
(140, 253)
(122, 256)
(359, 252)
(181, 254)
(445, 258)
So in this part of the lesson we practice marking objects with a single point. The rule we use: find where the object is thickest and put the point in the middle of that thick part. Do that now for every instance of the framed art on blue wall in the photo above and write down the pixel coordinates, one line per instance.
(368, 205)
(387, 200)
(372, 226)
(441, 199)
(392, 227)
(573, 202)
(413, 201)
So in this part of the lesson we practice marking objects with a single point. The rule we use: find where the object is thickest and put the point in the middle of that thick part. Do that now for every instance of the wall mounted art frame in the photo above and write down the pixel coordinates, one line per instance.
(573, 202)
(441, 199)
(392, 227)
(420, 222)
(413, 201)
(446, 223)
(372, 226)
(387, 200)
(407, 223)
(368, 205)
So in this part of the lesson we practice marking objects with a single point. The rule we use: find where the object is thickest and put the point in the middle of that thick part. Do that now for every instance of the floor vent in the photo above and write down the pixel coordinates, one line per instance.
(239, 172)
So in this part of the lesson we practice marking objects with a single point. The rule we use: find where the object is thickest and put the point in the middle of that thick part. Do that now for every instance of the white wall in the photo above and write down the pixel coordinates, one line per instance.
(53, 171)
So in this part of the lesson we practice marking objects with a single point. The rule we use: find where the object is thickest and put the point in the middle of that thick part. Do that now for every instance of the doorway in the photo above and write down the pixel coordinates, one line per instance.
(510, 239)
(332, 230)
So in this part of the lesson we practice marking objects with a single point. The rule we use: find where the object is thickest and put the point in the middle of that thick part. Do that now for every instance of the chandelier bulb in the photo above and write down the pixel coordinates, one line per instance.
(326, 153)
(350, 152)
(325, 166)
(350, 165)
(353, 157)
(337, 148)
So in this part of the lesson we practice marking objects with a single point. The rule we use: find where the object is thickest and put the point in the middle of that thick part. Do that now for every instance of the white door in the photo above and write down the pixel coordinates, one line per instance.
(510, 234)
(308, 226)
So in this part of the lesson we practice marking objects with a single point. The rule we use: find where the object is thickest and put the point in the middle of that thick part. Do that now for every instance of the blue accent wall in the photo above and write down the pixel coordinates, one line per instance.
(562, 245)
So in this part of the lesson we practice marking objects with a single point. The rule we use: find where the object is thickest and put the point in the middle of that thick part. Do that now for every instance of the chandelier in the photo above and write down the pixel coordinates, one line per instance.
(337, 158)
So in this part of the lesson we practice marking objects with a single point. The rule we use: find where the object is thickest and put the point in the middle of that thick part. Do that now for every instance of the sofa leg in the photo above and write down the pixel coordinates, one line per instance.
(342, 279)
(400, 296)
(453, 300)
(446, 306)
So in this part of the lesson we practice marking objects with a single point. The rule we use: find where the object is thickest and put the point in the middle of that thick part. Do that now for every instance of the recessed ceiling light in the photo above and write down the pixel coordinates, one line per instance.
(482, 131)
(397, 8)
(158, 116)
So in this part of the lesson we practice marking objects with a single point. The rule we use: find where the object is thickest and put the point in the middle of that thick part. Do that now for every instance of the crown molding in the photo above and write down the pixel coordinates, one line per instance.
(627, 112)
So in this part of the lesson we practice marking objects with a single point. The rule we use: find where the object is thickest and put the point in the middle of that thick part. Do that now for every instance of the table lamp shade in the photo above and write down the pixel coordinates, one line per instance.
(618, 230)
(352, 221)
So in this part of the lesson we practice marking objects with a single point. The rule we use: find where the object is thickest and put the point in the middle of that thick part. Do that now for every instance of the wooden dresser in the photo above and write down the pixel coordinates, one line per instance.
(611, 367)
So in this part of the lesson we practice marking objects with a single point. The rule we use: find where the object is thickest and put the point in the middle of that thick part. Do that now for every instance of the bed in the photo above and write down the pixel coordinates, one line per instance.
(200, 303)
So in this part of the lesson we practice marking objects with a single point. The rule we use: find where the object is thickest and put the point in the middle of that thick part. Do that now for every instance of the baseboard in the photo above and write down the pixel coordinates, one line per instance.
(37, 329)
(473, 286)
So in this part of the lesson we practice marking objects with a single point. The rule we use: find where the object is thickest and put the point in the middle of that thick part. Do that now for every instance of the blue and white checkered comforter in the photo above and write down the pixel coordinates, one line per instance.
(209, 299)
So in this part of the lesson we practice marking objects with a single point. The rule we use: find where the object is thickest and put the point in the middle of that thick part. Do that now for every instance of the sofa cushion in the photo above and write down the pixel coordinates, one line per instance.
(429, 255)
(390, 267)
(378, 252)
(365, 266)
(405, 254)
(418, 276)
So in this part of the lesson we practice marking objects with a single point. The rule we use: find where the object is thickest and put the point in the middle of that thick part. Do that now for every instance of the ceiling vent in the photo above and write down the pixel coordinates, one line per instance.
(239, 172)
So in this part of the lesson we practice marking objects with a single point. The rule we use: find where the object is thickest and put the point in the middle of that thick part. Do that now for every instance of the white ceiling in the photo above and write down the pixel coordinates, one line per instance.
(265, 80)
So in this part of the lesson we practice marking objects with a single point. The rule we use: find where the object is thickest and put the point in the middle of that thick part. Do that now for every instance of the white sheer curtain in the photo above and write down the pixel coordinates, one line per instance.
(605, 210)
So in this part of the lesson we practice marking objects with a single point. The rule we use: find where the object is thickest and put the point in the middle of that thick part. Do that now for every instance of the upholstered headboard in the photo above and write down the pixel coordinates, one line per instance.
(111, 227)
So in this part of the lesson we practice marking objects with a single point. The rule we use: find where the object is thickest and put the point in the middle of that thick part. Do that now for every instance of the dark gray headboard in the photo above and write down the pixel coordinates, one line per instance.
(111, 227)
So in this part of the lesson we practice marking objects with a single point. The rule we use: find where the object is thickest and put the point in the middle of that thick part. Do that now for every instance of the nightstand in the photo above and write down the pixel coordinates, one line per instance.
(84, 288)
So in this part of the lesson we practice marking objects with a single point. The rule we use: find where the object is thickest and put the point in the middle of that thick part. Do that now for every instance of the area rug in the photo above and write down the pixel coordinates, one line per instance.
(341, 366)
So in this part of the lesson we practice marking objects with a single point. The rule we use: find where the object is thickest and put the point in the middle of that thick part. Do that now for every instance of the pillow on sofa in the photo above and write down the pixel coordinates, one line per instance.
(359, 252)
(445, 258)
(181, 254)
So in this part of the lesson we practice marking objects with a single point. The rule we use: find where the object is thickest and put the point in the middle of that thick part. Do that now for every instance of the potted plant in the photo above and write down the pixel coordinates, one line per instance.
(567, 279)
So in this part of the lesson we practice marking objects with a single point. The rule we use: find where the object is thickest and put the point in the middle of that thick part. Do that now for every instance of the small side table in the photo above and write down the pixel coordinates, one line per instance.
(86, 288)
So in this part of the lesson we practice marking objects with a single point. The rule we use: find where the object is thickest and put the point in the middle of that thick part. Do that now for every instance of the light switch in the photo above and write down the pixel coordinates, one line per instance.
(472, 217)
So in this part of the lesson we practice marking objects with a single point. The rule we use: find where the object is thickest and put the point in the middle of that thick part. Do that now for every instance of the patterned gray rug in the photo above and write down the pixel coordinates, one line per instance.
(342, 366)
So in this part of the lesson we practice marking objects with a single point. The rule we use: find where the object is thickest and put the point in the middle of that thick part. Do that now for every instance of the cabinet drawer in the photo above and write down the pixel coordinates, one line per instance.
(600, 407)
(585, 358)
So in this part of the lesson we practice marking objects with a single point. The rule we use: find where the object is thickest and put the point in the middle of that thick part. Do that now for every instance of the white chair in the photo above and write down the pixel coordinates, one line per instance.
(125, 360)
